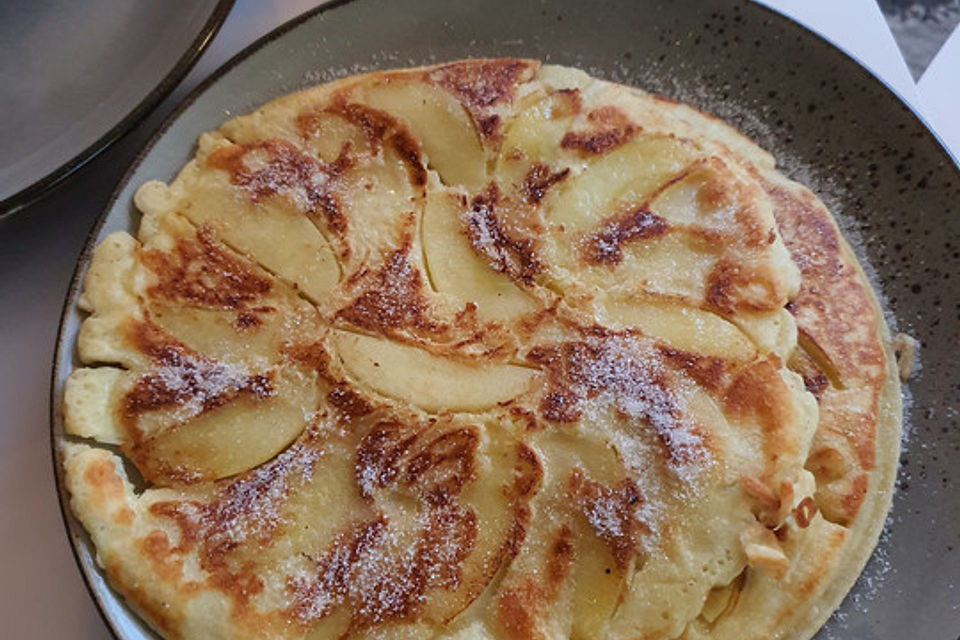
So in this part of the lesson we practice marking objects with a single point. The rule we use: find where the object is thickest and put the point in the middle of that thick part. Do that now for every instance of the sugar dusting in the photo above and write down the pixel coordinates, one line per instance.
(620, 372)
(250, 508)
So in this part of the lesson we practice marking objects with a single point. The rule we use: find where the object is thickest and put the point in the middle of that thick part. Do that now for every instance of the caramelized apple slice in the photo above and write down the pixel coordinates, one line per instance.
(238, 436)
(566, 578)
(600, 229)
(628, 175)
(680, 326)
(533, 137)
(431, 382)
(271, 230)
(457, 270)
(439, 122)
(435, 507)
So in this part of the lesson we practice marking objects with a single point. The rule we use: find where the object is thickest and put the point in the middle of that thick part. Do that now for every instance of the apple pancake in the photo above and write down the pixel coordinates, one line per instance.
(487, 349)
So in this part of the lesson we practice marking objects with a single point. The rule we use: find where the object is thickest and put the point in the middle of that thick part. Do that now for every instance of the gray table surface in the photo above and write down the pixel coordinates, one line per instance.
(41, 592)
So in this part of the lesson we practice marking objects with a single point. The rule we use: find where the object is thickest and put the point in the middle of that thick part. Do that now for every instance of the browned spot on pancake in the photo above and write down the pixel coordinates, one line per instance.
(561, 405)
(330, 585)
(721, 192)
(124, 516)
(559, 557)
(444, 465)
(538, 179)
(526, 417)
(611, 512)
(380, 128)
(445, 542)
(241, 586)
(529, 324)
(503, 245)
(816, 384)
(616, 369)
(394, 300)
(847, 415)
(480, 85)
(720, 294)
(408, 149)
(529, 472)
(166, 564)
(106, 484)
(372, 123)
(314, 356)
(528, 478)
(565, 103)
(854, 498)
(708, 371)
(732, 286)
(203, 273)
(826, 464)
(608, 128)
(348, 402)
(286, 171)
(379, 455)
(246, 320)
(521, 605)
(489, 127)
(183, 378)
(758, 390)
(606, 246)
(518, 610)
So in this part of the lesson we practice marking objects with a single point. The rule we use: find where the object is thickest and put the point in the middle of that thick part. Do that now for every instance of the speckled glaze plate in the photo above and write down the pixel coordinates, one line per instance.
(829, 122)
(78, 75)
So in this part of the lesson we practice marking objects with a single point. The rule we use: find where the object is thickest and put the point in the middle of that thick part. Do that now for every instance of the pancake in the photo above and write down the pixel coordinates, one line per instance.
(487, 349)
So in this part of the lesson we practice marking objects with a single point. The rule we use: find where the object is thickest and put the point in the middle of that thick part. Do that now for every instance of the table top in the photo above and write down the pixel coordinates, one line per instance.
(42, 594)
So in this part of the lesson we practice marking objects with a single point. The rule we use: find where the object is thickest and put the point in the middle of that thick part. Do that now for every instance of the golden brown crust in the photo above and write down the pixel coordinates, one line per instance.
(839, 333)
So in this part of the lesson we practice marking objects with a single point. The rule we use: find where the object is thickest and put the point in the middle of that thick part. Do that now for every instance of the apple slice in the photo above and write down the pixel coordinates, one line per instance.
(533, 137)
(439, 122)
(233, 438)
(572, 571)
(680, 326)
(270, 230)
(457, 270)
(431, 382)
(628, 175)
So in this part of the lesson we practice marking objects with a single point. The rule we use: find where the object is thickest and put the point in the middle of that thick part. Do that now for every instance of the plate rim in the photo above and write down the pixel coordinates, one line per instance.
(71, 525)
(43, 185)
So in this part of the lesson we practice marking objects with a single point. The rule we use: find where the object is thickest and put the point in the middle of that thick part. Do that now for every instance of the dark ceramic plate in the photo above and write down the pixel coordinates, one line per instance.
(78, 75)
(831, 125)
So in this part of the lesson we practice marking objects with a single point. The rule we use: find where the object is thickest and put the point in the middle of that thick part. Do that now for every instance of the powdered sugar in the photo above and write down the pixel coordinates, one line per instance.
(619, 370)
